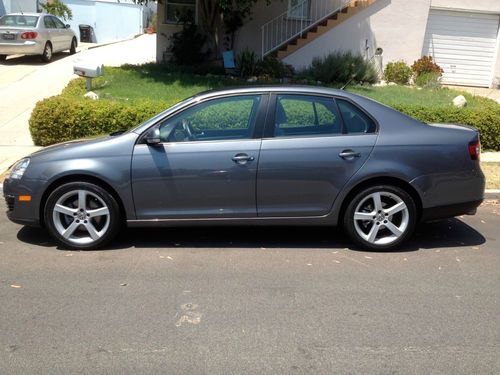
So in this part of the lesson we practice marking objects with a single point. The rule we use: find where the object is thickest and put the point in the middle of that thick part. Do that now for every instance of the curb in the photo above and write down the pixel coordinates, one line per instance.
(492, 194)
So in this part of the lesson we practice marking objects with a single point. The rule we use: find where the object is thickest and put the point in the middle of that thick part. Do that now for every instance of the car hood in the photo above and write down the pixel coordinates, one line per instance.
(69, 145)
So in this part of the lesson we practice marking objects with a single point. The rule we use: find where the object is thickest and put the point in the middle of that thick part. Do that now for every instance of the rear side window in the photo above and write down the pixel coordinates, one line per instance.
(49, 22)
(298, 115)
(355, 120)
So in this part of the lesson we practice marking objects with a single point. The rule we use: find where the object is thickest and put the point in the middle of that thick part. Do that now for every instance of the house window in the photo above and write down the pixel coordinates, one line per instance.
(180, 10)
(298, 9)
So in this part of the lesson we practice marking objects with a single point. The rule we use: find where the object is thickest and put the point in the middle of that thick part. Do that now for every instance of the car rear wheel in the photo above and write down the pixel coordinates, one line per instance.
(380, 217)
(47, 52)
(81, 215)
(3, 57)
(72, 49)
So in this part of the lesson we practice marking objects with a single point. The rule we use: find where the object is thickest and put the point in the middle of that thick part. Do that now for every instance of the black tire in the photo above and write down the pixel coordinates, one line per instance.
(3, 57)
(389, 194)
(107, 225)
(47, 52)
(74, 44)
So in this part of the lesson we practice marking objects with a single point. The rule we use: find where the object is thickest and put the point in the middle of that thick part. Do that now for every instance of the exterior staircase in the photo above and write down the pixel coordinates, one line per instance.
(289, 34)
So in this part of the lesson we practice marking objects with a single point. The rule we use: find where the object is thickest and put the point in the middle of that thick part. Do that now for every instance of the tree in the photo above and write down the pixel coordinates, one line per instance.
(57, 8)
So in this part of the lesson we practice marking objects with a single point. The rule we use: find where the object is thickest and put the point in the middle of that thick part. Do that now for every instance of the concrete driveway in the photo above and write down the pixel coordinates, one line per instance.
(24, 80)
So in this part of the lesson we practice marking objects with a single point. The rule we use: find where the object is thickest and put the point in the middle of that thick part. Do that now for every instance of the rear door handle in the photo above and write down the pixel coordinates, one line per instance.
(349, 154)
(242, 158)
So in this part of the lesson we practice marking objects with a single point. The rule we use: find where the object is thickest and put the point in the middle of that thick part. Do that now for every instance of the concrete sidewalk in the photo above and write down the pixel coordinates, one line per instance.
(24, 81)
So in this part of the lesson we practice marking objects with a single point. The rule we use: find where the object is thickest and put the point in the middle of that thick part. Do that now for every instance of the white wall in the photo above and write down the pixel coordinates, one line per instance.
(487, 6)
(397, 26)
(111, 21)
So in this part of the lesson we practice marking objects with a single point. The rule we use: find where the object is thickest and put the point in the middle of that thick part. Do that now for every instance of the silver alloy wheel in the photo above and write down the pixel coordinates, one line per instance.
(81, 217)
(381, 218)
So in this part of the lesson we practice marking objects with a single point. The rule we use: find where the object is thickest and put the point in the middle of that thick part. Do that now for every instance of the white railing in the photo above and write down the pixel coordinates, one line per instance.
(295, 21)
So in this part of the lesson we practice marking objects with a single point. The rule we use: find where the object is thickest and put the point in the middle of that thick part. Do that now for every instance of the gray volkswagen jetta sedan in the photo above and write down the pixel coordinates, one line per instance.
(285, 155)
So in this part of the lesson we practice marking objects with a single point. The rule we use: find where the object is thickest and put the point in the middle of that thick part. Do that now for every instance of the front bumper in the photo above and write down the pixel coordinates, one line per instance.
(19, 212)
(28, 47)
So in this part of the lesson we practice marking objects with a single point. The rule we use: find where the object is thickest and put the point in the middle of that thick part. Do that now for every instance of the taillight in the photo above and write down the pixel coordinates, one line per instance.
(475, 150)
(29, 35)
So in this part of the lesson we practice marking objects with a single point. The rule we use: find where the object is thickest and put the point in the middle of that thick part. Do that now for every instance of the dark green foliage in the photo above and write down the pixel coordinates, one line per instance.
(246, 63)
(58, 119)
(187, 45)
(428, 80)
(398, 72)
(272, 67)
(57, 8)
(485, 119)
(339, 68)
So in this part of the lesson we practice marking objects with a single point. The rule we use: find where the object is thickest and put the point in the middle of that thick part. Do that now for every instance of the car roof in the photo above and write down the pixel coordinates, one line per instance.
(293, 89)
(24, 14)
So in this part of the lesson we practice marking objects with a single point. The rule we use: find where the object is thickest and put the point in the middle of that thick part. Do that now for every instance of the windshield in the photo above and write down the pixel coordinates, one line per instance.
(18, 21)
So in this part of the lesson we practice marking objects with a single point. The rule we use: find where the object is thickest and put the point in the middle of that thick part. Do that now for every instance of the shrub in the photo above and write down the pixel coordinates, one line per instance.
(486, 119)
(187, 45)
(58, 119)
(428, 80)
(398, 72)
(271, 67)
(246, 63)
(426, 65)
(340, 68)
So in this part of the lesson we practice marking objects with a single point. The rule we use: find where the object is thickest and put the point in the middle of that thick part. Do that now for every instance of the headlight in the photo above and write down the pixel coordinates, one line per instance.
(19, 168)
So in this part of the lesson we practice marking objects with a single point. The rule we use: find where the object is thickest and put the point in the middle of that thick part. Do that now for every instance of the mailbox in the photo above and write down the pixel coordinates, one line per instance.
(88, 70)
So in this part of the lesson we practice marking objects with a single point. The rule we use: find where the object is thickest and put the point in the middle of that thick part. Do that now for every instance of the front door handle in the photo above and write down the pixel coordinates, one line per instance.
(242, 158)
(349, 154)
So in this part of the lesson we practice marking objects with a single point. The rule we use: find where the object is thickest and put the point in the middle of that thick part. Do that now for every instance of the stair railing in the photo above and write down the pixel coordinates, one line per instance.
(296, 20)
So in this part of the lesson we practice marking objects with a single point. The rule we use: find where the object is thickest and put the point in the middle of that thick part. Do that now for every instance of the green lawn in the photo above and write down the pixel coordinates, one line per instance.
(154, 82)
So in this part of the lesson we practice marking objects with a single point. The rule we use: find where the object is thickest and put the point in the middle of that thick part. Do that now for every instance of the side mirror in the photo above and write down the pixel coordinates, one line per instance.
(68, 26)
(153, 136)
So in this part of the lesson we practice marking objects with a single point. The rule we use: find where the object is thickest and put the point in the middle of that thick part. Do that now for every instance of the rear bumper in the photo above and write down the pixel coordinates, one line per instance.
(28, 47)
(444, 212)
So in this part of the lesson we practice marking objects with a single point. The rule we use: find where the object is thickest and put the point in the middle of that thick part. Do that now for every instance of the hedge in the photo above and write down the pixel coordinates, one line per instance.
(59, 119)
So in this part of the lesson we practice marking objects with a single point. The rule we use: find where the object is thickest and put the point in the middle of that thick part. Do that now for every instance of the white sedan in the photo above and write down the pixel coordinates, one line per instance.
(35, 34)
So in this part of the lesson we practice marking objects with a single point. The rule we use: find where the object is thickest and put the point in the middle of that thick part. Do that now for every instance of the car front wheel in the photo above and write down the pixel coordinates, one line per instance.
(3, 57)
(81, 215)
(380, 217)
(72, 48)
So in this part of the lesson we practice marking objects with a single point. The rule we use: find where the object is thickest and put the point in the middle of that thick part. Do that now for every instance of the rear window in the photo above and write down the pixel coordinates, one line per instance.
(18, 21)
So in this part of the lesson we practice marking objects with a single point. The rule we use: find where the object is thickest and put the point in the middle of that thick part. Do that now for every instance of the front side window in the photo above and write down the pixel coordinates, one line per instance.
(180, 10)
(298, 115)
(49, 22)
(355, 120)
(217, 119)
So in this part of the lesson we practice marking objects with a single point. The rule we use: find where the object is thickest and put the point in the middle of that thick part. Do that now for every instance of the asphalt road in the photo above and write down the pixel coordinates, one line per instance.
(253, 301)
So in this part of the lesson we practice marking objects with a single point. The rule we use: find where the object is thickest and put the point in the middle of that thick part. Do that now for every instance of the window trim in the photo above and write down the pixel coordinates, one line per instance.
(170, 22)
(258, 129)
(270, 121)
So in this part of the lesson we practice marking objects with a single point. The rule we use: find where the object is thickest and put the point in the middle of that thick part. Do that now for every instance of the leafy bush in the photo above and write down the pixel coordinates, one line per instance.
(486, 119)
(57, 8)
(58, 119)
(272, 67)
(187, 45)
(246, 63)
(340, 68)
(426, 65)
(398, 72)
(428, 80)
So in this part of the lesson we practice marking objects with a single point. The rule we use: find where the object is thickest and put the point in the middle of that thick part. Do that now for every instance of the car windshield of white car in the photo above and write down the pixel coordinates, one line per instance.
(18, 21)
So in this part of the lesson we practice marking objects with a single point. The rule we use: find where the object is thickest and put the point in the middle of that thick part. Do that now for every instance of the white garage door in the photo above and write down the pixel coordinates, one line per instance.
(463, 44)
